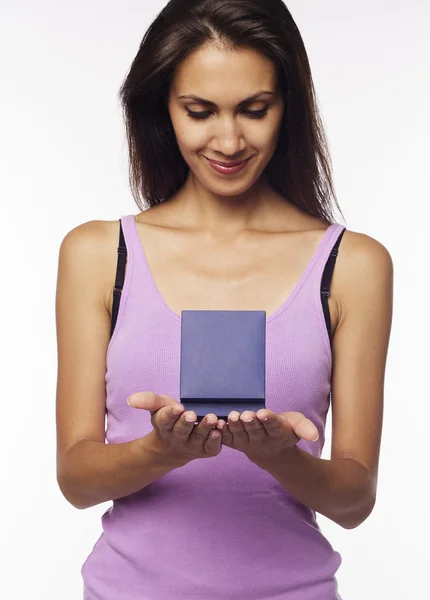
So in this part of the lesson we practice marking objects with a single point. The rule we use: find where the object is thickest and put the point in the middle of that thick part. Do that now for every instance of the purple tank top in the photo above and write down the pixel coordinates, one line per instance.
(218, 528)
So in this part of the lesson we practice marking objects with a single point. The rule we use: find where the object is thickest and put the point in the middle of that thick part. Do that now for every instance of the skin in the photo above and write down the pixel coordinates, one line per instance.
(223, 243)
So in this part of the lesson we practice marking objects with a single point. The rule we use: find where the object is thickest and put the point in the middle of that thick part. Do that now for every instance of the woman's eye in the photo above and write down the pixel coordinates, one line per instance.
(253, 114)
(197, 115)
(256, 114)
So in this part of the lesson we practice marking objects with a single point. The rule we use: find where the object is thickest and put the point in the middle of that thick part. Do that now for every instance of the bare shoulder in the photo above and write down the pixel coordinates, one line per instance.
(363, 271)
(362, 263)
(92, 247)
(361, 249)
(91, 234)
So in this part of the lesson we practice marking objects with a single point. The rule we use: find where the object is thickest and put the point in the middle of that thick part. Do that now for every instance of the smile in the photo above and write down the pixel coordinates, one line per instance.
(228, 168)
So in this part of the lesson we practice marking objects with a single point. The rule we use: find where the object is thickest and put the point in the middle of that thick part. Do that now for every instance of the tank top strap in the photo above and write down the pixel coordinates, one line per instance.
(325, 258)
(131, 237)
(331, 240)
(125, 260)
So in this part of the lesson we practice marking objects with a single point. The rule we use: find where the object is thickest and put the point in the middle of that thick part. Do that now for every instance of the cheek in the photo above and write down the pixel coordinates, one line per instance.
(263, 139)
(190, 139)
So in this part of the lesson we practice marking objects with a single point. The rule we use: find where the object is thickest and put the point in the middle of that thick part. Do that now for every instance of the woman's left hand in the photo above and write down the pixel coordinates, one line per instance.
(265, 442)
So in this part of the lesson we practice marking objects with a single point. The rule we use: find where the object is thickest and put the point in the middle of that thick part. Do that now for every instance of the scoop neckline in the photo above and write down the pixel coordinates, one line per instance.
(287, 302)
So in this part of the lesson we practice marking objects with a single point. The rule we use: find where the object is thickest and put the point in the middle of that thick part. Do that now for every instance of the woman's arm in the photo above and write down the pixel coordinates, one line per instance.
(344, 488)
(94, 472)
(341, 489)
(89, 471)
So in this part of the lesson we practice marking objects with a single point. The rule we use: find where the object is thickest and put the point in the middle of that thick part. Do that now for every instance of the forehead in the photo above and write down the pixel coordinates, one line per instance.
(216, 73)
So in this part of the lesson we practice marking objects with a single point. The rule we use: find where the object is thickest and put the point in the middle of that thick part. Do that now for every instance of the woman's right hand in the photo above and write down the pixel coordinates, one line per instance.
(174, 436)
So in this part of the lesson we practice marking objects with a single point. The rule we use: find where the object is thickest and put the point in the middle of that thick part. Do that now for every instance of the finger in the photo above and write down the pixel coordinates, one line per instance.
(205, 427)
(213, 441)
(268, 418)
(215, 436)
(184, 425)
(302, 426)
(207, 431)
(252, 425)
(235, 424)
(150, 400)
(221, 424)
(277, 425)
(226, 436)
(170, 414)
(236, 434)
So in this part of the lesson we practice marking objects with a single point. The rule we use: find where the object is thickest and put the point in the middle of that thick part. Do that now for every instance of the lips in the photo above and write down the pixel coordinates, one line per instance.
(223, 164)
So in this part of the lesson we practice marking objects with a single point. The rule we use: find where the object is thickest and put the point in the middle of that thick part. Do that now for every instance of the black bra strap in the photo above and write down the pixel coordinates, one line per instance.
(325, 283)
(119, 278)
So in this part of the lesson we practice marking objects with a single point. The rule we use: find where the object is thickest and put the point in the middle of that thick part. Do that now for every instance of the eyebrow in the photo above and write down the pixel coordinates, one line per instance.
(212, 104)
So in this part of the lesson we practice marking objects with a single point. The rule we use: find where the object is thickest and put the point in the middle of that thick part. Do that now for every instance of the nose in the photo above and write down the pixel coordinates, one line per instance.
(228, 139)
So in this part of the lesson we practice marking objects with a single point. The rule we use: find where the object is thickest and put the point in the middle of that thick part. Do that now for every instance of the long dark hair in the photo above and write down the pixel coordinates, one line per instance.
(300, 168)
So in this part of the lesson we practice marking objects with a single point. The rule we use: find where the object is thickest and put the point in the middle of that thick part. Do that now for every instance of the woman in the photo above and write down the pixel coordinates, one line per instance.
(220, 82)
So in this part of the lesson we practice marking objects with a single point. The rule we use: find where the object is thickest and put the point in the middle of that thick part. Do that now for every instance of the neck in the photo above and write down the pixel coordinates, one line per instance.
(226, 216)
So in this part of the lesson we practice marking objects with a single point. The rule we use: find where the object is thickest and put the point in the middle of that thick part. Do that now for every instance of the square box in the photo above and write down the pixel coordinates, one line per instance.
(223, 361)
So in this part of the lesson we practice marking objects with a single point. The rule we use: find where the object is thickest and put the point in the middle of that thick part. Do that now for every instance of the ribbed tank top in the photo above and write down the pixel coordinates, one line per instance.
(219, 528)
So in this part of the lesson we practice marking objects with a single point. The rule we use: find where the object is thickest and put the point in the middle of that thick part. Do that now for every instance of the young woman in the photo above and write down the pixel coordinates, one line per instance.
(231, 173)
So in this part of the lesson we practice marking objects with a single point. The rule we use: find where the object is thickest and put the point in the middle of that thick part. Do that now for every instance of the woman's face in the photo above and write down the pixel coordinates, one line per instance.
(227, 127)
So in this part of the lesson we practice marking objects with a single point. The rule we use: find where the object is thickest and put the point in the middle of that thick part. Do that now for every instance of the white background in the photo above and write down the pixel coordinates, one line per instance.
(63, 162)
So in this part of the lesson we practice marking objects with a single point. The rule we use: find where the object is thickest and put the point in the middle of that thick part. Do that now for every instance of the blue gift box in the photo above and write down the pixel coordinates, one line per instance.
(223, 361)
